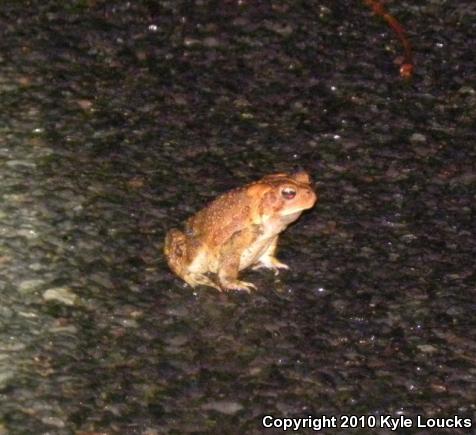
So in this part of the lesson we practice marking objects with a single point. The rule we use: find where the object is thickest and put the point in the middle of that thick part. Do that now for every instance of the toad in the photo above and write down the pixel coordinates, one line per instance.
(237, 230)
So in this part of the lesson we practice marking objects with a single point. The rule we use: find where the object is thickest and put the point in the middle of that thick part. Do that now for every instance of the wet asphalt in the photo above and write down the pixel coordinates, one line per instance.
(118, 120)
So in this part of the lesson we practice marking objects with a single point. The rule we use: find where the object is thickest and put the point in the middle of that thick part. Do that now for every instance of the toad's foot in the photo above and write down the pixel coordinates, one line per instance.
(270, 263)
(196, 279)
(238, 285)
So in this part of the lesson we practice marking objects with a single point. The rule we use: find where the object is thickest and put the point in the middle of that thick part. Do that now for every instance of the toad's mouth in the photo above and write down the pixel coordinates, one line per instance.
(289, 217)
(290, 211)
(293, 212)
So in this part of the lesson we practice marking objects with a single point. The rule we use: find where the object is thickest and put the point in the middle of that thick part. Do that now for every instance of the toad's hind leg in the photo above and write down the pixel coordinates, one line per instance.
(181, 253)
(268, 259)
(175, 250)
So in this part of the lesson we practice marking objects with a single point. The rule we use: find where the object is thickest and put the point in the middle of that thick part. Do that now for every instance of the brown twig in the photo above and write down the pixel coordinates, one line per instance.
(406, 67)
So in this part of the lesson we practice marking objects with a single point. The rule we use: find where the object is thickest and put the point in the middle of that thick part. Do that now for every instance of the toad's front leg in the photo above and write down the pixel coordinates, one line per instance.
(229, 262)
(268, 259)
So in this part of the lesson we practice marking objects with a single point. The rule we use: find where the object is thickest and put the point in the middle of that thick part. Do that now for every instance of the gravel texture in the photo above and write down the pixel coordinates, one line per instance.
(120, 119)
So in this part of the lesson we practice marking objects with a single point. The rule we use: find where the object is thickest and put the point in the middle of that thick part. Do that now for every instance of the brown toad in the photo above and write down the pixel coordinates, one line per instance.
(238, 229)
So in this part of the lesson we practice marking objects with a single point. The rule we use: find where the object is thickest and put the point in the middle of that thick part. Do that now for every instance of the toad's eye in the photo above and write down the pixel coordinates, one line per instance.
(288, 193)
